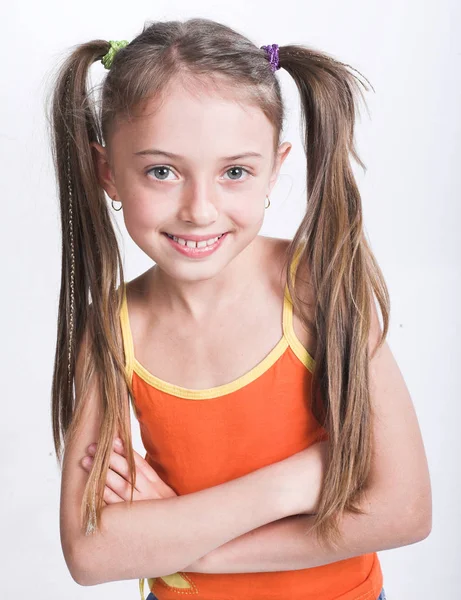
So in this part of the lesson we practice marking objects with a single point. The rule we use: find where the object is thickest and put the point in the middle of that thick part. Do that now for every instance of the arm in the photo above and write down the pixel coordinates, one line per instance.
(157, 537)
(284, 546)
(398, 509)
(152, 538)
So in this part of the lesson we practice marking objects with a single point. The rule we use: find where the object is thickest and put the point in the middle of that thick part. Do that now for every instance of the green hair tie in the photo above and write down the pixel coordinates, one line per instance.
(115, 46)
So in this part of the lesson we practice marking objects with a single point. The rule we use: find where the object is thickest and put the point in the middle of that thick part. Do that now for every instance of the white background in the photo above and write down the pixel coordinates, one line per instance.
(411, 193)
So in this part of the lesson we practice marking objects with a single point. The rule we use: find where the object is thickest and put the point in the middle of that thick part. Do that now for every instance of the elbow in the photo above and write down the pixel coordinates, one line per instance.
(82, 575)
(419, 531)
(82, 567)
(404, 518)
(418, 518)
(422, 526)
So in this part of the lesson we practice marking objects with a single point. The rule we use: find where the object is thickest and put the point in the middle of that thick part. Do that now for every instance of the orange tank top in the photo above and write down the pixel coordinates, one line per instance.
(191, 441)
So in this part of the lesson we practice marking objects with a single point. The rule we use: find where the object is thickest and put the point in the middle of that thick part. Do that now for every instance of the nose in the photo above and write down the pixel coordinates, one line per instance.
(198, 206)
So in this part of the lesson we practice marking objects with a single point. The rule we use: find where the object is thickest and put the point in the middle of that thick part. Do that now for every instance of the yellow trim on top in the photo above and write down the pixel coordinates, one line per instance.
(126, 334)
(220, 390)
(289, 338)
(290, 334)
(304, 356)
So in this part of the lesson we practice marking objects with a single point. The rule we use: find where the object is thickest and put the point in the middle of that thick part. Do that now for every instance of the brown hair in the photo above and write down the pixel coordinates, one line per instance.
(335, 258)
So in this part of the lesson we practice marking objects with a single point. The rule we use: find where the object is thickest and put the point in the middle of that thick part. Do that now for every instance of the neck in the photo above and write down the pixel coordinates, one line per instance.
(196, 300)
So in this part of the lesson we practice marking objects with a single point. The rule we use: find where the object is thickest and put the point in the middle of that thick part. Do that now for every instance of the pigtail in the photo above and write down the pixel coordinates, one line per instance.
(90, 264)
(343, 274)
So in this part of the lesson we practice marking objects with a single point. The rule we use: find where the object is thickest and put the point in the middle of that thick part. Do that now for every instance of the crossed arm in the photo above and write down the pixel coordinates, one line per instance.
(398, 505)
(284, 544)
(251, 535)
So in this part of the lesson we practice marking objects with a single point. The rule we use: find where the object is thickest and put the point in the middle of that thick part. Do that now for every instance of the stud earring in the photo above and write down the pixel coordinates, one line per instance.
(269, 202)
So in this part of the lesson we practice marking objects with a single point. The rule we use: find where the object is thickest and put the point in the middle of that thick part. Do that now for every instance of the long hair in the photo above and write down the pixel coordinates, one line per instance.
(334, 256)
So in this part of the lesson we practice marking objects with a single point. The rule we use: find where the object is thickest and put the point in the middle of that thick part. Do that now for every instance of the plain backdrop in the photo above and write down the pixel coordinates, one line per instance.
(411, 191)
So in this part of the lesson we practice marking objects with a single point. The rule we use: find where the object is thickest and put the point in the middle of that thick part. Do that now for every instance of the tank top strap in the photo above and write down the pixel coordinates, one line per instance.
(287, 300)
(288, 330)
(126, 335)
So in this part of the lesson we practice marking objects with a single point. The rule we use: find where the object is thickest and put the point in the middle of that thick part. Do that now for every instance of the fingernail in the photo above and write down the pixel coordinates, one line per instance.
(87, 461)
(92, 447)
(118, 442)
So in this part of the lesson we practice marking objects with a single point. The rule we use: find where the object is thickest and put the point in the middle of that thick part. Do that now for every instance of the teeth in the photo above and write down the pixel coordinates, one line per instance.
(192, 244)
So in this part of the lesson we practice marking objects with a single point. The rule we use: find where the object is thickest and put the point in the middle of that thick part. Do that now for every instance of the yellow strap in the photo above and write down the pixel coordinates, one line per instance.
(141, 588)
(126, 334)
(288, 329)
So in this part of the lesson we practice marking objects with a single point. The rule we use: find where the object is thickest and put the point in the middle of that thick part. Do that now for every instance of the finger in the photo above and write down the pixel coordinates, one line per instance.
(110, 497)
(145, 477)
(141, 464)
(120, 486)
(119, 464)
(145, 474)
(115, 478)
(87, 462)
(146, 469)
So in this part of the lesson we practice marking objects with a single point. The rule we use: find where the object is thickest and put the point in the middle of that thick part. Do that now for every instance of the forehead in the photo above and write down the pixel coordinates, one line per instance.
(197, 117)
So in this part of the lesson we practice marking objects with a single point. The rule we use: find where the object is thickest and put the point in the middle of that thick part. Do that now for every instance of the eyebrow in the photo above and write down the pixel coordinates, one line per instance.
(156, 152)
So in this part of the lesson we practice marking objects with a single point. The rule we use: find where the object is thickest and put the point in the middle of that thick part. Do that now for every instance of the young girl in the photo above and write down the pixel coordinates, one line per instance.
(278, 429)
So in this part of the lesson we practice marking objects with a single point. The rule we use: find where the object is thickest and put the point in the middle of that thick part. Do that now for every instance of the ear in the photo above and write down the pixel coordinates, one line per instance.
(282, 153)
(103, 170)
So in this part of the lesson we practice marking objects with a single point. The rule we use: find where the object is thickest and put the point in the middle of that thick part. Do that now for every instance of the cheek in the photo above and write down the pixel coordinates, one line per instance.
(144, 213)
(246, 213)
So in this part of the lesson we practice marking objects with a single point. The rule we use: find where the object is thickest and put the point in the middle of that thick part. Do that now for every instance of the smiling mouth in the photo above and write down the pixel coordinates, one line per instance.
(193, 243)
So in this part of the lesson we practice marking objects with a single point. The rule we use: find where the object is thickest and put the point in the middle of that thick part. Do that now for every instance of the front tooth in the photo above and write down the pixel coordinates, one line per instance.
(192, 244)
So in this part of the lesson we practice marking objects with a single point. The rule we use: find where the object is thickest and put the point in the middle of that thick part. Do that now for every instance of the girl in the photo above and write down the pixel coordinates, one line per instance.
(278, 429)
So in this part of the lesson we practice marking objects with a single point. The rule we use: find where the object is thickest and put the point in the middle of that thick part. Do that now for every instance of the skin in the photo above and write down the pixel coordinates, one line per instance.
(201, 194)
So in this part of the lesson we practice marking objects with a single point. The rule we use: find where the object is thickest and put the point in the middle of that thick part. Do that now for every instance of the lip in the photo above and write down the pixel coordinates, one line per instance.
(197, 252)
(196, 238)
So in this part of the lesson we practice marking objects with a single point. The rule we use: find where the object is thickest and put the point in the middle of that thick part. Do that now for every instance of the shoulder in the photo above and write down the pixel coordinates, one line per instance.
(277, 265)
(135, 292)
(277, 254)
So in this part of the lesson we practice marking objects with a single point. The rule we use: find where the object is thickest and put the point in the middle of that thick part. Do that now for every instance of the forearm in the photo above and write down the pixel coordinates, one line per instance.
(151, 538)
(284, 544)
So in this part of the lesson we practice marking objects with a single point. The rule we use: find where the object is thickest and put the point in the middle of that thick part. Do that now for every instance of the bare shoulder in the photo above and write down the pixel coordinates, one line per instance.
(135, 294)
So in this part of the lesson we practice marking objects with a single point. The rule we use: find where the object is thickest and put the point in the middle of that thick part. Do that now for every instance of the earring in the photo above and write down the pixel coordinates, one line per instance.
(267, 206)
(117, 209)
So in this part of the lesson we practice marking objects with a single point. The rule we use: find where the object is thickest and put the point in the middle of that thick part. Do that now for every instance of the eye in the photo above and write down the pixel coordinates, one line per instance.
(161, 169)
(237, 168)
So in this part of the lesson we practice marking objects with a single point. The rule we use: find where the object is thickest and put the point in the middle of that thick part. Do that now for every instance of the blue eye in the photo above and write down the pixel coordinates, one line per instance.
(237, 168)
(166, 170)
(160, 168)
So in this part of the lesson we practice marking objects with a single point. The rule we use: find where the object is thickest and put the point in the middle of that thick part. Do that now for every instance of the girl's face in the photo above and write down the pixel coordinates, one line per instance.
(183, 168)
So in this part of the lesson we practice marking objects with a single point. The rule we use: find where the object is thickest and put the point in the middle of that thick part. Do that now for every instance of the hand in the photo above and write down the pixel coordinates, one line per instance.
(148, 485)
(301, 477)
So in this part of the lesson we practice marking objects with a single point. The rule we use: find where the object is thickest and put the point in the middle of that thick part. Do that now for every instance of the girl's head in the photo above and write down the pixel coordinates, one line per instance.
(194, 158)
(203, 91)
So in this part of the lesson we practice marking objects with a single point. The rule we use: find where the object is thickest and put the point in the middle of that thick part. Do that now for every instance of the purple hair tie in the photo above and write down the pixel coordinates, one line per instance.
(272, 52)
